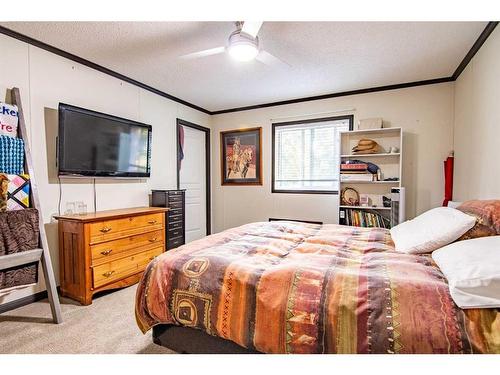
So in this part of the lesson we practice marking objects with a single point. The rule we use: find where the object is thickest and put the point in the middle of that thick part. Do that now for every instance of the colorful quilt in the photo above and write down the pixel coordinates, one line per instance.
(287, 287)
(9, 118)
(4, 190)
(11, 155)
(19, 231)
(17, 194)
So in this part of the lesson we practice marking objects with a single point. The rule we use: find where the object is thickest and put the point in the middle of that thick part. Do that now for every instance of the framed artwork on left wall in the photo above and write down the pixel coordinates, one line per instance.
(241, 156)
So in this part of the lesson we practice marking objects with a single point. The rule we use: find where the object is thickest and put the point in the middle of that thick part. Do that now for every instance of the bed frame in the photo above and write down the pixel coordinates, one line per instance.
(186, 340)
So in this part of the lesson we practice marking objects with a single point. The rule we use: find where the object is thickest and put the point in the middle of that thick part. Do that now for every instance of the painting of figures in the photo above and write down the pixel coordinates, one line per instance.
(241, 159)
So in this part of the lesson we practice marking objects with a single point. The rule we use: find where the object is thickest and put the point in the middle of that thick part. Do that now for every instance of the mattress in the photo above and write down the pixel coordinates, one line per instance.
(289, 287)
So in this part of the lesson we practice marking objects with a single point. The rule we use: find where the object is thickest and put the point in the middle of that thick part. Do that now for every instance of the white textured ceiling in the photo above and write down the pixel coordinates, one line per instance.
(324, 57)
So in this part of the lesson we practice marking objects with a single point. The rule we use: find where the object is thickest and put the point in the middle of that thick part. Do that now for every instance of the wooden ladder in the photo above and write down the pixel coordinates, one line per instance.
(42, 253)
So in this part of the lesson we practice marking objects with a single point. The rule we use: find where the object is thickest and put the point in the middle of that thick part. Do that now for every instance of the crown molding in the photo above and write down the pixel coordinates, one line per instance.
(337, 94)
(475, 47)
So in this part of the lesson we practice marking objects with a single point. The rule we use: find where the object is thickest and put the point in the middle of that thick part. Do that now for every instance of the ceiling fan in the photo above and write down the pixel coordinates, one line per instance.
(242, 45)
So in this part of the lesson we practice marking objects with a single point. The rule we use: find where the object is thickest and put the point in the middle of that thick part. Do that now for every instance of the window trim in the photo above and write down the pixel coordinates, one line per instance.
(350, 118)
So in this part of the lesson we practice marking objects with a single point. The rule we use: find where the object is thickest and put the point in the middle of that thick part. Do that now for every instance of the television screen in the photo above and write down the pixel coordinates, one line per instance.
(100, 145)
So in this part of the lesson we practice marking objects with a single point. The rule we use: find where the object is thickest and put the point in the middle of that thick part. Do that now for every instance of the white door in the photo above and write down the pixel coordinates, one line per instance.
(192, 178)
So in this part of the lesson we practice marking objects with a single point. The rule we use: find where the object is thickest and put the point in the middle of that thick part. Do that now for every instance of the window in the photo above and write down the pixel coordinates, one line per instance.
(306, 155)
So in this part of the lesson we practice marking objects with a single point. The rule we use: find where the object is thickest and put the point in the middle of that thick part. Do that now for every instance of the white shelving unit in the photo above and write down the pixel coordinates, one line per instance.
(363, 207)
(390, 164)
(371, 182)
(352, 156)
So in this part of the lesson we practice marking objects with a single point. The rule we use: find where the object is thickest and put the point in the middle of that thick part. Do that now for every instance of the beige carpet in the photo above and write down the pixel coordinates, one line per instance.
(106, 326)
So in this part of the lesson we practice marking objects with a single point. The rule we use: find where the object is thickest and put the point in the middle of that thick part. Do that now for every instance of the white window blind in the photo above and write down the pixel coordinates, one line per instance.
(307, 155)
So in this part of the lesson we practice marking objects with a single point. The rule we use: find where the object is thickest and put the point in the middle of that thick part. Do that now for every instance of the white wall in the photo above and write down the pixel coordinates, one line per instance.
(477, 125)
(425, 113)
(45, 80)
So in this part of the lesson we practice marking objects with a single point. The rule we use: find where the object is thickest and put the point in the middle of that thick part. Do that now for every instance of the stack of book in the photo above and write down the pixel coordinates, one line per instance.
(355, 172)
(359, 218)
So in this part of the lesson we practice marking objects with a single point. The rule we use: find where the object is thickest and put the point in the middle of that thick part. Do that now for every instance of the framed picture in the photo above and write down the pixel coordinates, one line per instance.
(241, 157)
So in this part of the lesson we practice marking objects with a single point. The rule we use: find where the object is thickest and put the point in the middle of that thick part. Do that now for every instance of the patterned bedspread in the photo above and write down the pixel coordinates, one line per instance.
(285, 287)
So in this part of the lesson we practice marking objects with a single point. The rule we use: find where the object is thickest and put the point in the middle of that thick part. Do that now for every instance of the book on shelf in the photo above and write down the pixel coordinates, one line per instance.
(354, 172)
(346, 177)
(360, 218)
(353, 167)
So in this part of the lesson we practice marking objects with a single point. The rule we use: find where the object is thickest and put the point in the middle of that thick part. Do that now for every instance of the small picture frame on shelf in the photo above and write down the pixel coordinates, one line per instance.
(370, 123)
(364, 200)
(349, 197)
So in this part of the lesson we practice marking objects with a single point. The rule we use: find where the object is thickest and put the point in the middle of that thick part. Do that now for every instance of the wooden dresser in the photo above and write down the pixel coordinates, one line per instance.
(107, 249)
(175, 201)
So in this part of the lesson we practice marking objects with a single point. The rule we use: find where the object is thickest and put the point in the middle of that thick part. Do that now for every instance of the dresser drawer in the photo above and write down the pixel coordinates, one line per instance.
(172, 243)
(123, 267)
(175, 225)
(109, 250)
(175, 211)
(172, 233)
(173, 218)
(174, 205)
(112, 229)
(174, 198)
(176, 192)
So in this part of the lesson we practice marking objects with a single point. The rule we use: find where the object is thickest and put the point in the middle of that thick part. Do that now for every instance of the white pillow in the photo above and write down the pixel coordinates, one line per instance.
(454, 204)
(431, 230)
(472, 268)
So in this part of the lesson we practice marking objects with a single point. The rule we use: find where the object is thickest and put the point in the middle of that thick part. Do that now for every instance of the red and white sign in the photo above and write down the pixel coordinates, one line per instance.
(8, 120)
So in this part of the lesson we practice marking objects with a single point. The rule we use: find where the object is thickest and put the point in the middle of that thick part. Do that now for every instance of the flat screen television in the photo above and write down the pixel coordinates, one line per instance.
(95, 144)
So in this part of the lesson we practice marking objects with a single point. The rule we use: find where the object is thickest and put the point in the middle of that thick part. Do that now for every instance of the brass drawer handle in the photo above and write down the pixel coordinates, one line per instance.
(154, 239)
(152, 221)
(106, 252)
(105, 229)
(108, 274)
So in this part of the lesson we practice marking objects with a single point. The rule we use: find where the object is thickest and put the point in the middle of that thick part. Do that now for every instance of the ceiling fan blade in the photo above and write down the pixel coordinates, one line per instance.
(271, 60)
(204, 53)
(251, 28)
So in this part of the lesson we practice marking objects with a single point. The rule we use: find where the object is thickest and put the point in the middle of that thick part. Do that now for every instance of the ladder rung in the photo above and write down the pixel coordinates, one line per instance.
(19, 259)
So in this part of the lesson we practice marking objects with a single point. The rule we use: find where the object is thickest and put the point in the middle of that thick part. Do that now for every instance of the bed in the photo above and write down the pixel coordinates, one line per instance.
(290, 287)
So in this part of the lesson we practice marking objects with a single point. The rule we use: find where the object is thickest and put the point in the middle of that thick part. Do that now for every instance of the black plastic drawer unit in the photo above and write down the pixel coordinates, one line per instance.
(175, 200)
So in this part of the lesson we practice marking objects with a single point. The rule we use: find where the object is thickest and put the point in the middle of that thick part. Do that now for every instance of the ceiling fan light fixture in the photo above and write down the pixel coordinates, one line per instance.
(242, 47)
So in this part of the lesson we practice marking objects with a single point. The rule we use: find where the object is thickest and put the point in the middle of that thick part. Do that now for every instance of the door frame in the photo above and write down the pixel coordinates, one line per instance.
(181, 122)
